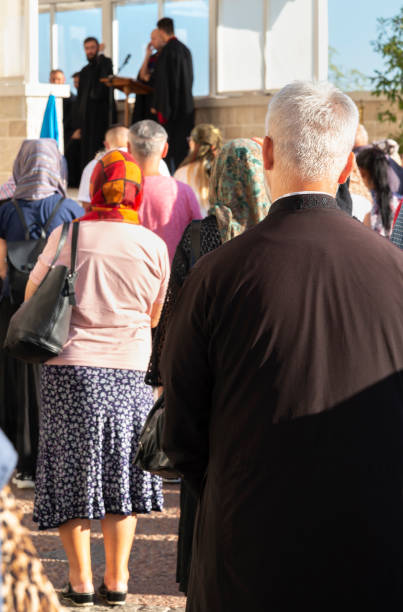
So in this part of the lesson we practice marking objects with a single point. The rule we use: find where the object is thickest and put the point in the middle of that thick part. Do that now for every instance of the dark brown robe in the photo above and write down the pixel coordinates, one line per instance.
(282, 370)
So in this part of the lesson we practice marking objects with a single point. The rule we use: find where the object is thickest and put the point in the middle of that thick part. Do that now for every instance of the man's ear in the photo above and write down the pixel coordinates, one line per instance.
(268, 159)
(165, 150)
(347, 169)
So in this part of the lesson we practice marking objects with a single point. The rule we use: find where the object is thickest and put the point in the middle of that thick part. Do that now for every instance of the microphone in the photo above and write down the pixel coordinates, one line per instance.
(126, 61)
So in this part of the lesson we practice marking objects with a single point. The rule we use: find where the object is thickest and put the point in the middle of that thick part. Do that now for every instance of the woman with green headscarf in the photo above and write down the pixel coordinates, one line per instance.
(238, 200)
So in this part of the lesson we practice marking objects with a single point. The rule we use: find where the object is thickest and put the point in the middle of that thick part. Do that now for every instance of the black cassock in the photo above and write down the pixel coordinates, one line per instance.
(283, 374)
(94, 103)
(173, 99)
(72, 148)
(143, 104)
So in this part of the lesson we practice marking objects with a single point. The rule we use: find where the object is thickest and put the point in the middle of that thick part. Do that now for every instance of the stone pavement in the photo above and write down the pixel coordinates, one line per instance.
(152, 586)
(129, 608)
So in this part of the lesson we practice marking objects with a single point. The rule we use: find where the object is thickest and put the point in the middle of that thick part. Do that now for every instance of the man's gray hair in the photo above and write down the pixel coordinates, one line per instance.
(147, 138)
(313, 128)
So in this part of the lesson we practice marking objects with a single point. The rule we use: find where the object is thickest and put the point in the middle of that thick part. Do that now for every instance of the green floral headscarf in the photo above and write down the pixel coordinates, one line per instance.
(237, 193)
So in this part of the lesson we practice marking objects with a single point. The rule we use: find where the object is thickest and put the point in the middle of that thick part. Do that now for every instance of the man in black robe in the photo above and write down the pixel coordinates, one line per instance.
(142, 106)
(95, 103)
(283, 378)
(173, 103)
(72, 149)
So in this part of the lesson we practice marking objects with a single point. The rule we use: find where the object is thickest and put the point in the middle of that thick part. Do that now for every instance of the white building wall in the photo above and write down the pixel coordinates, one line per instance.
(12, 38)
(240, 43)
(264, 44)
(289, 45)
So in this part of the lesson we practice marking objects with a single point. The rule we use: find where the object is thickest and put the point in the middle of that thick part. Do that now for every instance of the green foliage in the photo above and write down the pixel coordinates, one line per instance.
(389, 81)
(346, 80)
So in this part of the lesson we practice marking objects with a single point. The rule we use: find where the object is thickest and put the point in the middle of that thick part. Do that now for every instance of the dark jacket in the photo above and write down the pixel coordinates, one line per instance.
(173, 81)
(282, 370)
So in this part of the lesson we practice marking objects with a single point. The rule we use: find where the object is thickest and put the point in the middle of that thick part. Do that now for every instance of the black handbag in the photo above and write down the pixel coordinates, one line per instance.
(150, 456)
(40, 327)
(23, 254)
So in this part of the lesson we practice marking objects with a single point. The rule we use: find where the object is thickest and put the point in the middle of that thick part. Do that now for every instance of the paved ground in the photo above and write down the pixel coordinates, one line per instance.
(152, 586)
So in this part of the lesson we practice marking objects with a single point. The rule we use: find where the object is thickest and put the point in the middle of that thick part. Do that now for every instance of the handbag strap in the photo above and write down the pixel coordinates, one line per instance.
(71, 279)
(62, 240)
(53, 213)
(20, 214)
(195, 230)
(74, 240)
(44, 229)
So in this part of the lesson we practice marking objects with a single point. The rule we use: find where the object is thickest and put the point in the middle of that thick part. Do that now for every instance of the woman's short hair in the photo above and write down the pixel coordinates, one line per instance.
(313, 128)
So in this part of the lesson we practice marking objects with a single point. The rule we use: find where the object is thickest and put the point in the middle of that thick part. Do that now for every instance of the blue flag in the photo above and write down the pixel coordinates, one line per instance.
(49, 124)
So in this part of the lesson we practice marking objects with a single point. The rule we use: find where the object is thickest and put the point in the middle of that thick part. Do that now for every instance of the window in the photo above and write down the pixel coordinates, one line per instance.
(239, 39)
(44, 47)
(73, 27)
(134, 24)
(192, 28)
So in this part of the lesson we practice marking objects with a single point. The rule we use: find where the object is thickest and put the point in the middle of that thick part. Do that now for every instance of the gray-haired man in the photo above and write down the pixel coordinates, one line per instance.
(283, 377)
(168, 205)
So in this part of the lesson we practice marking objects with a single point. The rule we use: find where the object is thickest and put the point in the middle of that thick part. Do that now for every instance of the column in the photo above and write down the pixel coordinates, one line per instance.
(321, 40)
(22, 99)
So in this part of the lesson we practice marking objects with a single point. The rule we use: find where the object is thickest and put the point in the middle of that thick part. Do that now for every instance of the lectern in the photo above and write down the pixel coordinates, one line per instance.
(128, 86)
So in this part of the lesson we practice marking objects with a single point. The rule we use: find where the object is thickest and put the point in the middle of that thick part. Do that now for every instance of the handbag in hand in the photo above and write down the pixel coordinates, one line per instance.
(150, 456)
(40, 327)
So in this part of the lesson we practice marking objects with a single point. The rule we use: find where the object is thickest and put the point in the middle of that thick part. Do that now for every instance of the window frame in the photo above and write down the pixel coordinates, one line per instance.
(110, 35)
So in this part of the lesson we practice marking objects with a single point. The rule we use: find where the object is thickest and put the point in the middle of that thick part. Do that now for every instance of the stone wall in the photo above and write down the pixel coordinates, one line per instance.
(244, 115)
(12, 131)
(21, 117)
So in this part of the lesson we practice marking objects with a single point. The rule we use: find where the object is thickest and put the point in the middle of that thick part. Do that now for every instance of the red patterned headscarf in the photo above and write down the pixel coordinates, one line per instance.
(116, 189)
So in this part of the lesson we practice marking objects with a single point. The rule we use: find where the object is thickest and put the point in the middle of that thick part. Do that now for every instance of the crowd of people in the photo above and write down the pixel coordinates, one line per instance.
(279, 353)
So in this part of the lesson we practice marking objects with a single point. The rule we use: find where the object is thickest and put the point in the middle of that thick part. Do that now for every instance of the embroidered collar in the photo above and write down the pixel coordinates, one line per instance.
(300, 201)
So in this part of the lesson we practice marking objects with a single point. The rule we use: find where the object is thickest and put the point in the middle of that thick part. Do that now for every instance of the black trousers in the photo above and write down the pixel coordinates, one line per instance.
(178, 132)
(19, 399)
(72, 153)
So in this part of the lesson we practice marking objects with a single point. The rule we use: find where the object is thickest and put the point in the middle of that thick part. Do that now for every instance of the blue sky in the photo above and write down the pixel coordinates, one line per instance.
(352, 26)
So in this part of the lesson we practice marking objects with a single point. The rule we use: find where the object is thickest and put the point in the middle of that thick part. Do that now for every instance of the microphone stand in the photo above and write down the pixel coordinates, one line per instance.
(111, 97)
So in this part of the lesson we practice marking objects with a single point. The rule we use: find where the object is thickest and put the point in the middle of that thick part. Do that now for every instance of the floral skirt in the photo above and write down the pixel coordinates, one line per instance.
(90, 425)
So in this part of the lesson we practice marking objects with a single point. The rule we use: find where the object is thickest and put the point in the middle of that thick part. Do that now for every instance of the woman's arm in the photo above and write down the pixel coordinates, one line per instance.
(156, 313)
(30, 289)
(43, 263)
(3, 260)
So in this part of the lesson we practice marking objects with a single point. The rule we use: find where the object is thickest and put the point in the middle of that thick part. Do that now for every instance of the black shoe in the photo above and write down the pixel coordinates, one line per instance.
(113, 598)
(23, 480)
(78, 599)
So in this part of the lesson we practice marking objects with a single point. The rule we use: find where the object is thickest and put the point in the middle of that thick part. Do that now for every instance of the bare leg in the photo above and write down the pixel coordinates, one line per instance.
(118, 531)
(75, 536)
